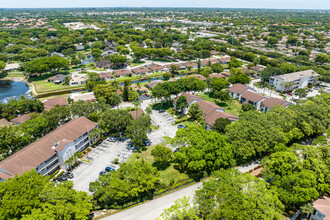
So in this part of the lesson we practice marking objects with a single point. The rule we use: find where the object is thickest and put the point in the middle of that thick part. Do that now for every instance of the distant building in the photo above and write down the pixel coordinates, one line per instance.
(52, 102)
(78, 79)
(86, 97)
(237, 89)
(271, 102)
(20, 119)
(294, 80)
(141, 71)
(57, 79)
(122, 72)
(152, 84)
(49, 153)
(136, 113)
(4, 123)
(106, 76)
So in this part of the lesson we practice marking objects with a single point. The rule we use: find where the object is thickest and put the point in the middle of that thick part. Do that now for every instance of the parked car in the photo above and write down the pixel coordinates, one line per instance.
(147, 143)
(147, 94)
(111, 139)
(103, 172)
(62, 178)
(68, 175)
(289, 93)
(181, 126)
(109, 169)
(162, 110)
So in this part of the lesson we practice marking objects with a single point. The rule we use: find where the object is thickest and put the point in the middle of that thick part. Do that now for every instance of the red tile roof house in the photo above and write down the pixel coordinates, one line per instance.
(224, 60)
(50, 103)
(216, 75)
(269, 103)
(322, 208)
(191, 64)
(257, 68)
(106, 76)
(136, 113)
(198, 77)
(122, 72)
(158, 68)
(214, 52)
(205, 63)
(20, 119)
(50, 152)
(141, 71)
(252, 98)
(237, 89)
(226, 74)
(211, 111)
(180, 65)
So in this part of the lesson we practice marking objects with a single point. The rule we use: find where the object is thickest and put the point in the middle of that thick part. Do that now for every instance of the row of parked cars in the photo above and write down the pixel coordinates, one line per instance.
(65, 177)
(107, 170)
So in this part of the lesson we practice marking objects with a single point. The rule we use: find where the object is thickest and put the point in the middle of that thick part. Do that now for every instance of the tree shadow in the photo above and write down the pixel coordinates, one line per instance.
(161, 166)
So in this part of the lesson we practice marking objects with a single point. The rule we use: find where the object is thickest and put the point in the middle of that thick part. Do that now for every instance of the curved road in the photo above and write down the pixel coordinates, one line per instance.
(154, 208)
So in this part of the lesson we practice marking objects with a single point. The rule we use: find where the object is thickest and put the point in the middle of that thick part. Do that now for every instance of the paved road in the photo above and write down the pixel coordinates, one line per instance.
(154, 208)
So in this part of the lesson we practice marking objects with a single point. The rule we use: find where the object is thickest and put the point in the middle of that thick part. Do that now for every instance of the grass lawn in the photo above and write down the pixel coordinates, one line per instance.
(154, 127)
(41, 85)
(95, 68)
(136, 64)
(17, 74)
(233, 108)
(169, 177)
(122, 79)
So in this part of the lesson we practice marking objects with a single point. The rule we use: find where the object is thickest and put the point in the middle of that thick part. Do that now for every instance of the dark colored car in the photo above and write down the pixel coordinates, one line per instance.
(181, 126)
(162, 110)
(68, 175)
(62, 178)
(109, 169)
(111, 139)
(102, 173)
(289, 93)
(147, 143)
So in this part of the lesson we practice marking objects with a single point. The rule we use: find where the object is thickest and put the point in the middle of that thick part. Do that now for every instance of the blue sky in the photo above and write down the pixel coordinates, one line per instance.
(280, 4)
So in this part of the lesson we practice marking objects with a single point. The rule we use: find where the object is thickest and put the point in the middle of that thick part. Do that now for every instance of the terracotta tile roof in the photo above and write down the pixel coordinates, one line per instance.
(105, 75)
(226, 74)
(252, 96)
(156, 67)
(271, 102)
(244, 69)
(208, 107)
(198, 77)
(213, 116)
(136, 113)
(323, 205)
(214, 52)
(39, 151)
(141, 70)
(4, 122)
(257, 68)
(21, 119)
(152, 84)
(189, 97)
(217, 75)
(224, 59)
(136, 88)
(186, 64)
(238, 87)
(50, 103)
(121, 72)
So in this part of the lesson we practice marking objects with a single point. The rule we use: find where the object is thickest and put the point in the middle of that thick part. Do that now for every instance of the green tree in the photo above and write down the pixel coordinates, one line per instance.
(217, 67)
(138, 129)
(2, 65)
(132, 95)
(221, 124)
(115, 121)
(181, 210)
(218, 84)
(301, 92)
(322, 58)
(115, 99)
(194, 112)
(33, 196)
(234, 63)
(96, 53)
(162, 155)
(248, 107)
(105, 91)
(181, 103)
(124, 186)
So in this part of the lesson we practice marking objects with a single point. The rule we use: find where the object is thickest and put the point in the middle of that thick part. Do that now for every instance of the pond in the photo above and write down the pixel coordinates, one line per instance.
(13, 90)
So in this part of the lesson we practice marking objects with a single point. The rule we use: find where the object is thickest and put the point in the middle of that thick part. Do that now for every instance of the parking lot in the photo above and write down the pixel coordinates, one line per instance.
(101, 157)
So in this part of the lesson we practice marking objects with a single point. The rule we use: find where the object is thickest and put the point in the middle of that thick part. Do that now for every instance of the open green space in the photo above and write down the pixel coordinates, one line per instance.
(12, 74)
(136, 63)
(232, 107)
(41, 85)
(170, 177)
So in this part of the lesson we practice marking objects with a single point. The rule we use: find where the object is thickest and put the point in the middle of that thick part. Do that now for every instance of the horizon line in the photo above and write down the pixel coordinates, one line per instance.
(198, 7)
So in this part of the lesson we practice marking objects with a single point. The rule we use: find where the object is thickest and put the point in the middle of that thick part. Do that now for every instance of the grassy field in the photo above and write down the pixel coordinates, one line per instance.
(233, 108)
(136, 64)
(13, 74)
(122, 79)
(41, 85)
(169, 177)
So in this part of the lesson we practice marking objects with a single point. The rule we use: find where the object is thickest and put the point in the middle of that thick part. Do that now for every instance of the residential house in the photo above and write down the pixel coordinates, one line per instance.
(57, 54)
(214, 52)
(86, 97)
(52, 102)
(106, 76)
(322, 209)
(122, 72)
(257, 68)
(237, 89)
(224, 60)
(158, 68)
(226, 74)
(4, 123)
(152, 84)
(252, 98)
(136, 113)
(20, 119)
(140, 89)
(78, 79)
(214, 115)
(49, 153)
(105, 64)
(191, 64)
(270, 102)
(141, 71)
(294, 80)
(57, 79)
(216, 75)
(180, 65)
(198, 77)
(79, 47)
